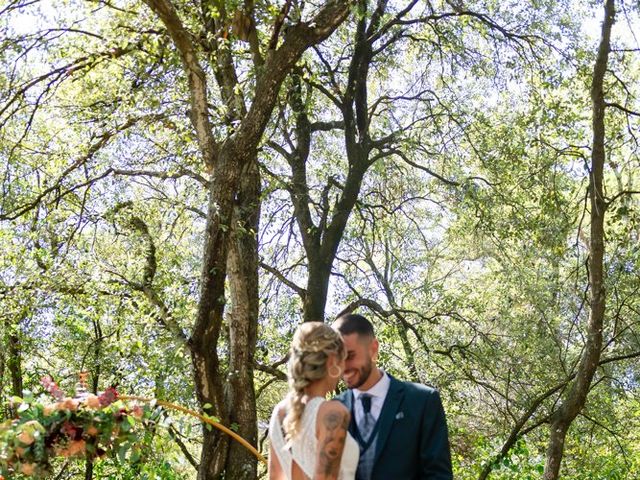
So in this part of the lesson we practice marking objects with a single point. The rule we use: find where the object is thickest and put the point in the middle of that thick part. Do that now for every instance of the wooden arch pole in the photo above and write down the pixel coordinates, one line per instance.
(205, 419)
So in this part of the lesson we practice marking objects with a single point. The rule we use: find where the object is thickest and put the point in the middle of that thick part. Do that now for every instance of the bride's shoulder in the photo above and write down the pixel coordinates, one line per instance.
(278, 413)
(280, 410)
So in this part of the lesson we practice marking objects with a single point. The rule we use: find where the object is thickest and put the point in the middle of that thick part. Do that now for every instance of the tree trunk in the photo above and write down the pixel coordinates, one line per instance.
(233, 193)
(204, 339)
(243, 320)
(14, 360)
(3, 411)
(573, 404)
(95, 380)
(321, 241)
(315, 300)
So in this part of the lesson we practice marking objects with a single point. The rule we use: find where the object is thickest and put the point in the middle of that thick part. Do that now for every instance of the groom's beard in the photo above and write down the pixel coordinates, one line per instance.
(362, 375)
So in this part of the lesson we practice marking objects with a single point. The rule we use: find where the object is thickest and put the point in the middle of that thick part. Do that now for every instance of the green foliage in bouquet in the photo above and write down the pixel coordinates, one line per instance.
(87, 426)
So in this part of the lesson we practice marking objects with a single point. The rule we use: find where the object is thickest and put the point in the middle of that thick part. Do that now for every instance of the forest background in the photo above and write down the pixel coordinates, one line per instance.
(185, 181)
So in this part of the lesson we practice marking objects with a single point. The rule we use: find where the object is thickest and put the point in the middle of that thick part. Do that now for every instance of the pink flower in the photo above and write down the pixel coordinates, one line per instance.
(70, 430)
(63, 452)
(49, 409)
(93, 402)
(77, 447)
(137, 412)
(52, 387)
(73, 448)
(70, 404)
(107, 397)
(28, 468)
(26, 437)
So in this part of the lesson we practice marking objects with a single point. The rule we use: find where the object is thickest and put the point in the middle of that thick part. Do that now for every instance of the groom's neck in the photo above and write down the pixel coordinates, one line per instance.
(374, 378)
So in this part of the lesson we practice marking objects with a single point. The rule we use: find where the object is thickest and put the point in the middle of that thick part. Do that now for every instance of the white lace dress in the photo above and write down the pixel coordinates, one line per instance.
(304, 448)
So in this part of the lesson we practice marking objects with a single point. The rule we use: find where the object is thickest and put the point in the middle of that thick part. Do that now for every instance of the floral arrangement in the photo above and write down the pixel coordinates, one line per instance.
(84, 426)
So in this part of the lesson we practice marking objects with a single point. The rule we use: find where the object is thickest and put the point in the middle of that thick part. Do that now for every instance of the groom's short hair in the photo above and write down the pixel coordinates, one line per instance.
(354, 323)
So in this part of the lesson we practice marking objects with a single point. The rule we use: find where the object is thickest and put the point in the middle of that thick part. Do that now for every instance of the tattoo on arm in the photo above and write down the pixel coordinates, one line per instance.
(332, 443)
(332, 420)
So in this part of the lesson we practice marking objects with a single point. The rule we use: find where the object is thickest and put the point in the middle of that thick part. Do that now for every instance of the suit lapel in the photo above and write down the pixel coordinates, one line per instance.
(388, 414)
(347, 399)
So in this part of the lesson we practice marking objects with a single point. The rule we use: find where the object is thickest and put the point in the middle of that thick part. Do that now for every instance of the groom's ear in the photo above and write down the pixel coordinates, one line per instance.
(373, 349)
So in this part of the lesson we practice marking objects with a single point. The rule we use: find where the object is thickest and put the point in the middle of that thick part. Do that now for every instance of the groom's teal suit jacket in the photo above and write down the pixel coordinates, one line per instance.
(412, 443)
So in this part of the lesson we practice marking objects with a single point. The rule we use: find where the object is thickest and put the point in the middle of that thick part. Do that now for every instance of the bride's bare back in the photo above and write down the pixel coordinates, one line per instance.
(319, 448)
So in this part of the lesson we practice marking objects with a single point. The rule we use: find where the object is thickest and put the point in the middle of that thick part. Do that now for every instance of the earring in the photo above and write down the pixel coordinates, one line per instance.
(332, 374)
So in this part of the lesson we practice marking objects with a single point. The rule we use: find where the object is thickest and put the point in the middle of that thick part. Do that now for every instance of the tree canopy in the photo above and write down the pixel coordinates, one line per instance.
(183, 183)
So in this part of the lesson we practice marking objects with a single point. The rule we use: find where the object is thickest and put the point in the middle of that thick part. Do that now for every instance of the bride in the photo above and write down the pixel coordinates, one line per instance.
(309, 437)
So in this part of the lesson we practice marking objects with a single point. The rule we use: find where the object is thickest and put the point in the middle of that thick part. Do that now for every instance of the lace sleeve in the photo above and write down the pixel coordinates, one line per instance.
(276, 436)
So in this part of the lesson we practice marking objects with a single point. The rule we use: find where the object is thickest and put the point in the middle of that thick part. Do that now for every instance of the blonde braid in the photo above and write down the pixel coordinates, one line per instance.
(312, 344)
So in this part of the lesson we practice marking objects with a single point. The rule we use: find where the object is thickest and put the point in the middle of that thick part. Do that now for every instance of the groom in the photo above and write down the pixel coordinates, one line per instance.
(400, 426)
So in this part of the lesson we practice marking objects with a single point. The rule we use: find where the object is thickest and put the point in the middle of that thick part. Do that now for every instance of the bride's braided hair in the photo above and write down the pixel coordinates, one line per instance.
(312, 344)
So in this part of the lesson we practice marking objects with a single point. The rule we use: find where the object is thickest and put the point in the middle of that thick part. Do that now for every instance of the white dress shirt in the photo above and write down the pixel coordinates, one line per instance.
(378, 393)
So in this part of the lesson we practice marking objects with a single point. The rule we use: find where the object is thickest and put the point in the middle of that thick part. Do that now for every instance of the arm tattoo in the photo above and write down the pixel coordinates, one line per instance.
(332, 420)
(336, 425)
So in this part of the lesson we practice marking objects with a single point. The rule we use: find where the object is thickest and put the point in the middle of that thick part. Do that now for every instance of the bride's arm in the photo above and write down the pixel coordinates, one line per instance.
(275, 470)
(276, 441)
(332, 424)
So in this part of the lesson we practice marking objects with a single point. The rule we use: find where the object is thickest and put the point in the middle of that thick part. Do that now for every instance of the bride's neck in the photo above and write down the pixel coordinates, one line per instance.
(315, 390)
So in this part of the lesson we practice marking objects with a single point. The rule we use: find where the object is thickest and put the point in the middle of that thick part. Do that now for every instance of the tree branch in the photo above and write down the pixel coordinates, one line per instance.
(279, 275)
(175, 435)
(103, 140)
(272, 370)
(195, 74)
(182, 172)
(401, 154)
(621, 108)
(146, 286)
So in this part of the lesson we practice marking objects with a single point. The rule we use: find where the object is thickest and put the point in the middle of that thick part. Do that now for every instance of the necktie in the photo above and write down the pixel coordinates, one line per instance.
(367, 421)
